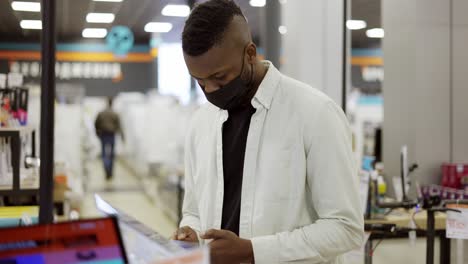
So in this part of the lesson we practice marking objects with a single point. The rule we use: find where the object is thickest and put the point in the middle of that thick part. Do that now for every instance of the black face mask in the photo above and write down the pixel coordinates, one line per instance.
(234, 94)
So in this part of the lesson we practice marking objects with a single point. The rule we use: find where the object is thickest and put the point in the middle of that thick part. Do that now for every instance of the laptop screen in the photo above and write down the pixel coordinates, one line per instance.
(96, 241)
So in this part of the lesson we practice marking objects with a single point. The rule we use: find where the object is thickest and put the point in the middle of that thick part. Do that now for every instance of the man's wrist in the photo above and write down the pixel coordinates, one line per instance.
(247, 251)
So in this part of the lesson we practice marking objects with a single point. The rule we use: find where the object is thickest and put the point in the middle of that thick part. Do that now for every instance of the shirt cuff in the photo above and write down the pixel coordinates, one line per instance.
(265, 249)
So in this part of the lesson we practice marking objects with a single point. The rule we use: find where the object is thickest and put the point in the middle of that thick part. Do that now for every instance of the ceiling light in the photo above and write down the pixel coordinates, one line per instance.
(176, 10)
(100, 18)
(31, 24)
(375, 33)
(26, 6)
(258, 3)
(107, 0)
(94, 33)
(282, 30)
(161, 27)
(283, 1)
(356, 24)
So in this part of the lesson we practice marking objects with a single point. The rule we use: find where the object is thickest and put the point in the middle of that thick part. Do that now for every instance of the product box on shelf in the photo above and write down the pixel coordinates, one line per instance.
(445, 193)
(452, 174)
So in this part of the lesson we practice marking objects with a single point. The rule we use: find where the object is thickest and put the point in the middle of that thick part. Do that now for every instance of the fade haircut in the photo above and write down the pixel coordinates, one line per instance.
(206, 25)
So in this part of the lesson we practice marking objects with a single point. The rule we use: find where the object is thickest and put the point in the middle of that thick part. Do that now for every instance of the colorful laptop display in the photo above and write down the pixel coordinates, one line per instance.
(96, 241)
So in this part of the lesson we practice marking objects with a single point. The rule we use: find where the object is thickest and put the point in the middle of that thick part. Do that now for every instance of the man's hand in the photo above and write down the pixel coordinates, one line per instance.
(227, 247)
(185, 234)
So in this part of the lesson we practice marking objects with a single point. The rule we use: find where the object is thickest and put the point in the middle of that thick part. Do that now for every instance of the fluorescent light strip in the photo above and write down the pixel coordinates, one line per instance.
(100, 18)
(26, 6)
(161, 27)
(356, 24)
(31, 24)
(107, 0)
(94, 33)
(375, 33)
(257, 3)
(176, 10)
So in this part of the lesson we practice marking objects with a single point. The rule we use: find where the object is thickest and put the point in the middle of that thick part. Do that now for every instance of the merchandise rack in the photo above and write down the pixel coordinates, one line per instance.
(15, 135)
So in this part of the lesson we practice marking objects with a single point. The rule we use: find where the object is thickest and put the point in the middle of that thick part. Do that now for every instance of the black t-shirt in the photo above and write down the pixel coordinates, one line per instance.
(235, 131)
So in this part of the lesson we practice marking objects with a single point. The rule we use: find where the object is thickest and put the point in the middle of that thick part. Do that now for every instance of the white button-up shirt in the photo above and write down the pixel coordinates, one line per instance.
(300, 199)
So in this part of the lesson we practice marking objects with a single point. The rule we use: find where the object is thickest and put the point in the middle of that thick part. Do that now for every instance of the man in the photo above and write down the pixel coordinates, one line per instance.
(270, 175)
(107, 124)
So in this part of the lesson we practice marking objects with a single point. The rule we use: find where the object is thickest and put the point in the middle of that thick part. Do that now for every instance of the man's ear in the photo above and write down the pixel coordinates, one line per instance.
(252, 52)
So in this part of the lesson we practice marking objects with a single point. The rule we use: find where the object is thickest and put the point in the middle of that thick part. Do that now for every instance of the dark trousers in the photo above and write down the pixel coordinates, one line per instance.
(108, 143)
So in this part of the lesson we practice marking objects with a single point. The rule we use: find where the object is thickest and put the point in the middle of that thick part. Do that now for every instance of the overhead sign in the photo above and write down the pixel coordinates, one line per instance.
(368, 79)
(70, 70)
(120, 40)
(372, 74)
(15, 79)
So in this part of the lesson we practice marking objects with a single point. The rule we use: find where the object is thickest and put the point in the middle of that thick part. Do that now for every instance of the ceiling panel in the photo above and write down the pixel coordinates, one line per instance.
(71, 19)
(71, 15)
(370, 11)
(9, 23)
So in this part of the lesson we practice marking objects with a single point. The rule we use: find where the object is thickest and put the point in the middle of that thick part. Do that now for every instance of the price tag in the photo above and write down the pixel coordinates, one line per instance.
(457, 223)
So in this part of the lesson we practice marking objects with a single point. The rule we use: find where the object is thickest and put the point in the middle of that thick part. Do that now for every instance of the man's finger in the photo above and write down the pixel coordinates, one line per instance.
(174, 235)
(214, 234)
(177, 234)
(183, 233)
(181, 236)
(185, 229)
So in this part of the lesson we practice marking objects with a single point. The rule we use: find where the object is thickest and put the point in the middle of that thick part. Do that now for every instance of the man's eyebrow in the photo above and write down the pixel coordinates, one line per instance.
(212, 75)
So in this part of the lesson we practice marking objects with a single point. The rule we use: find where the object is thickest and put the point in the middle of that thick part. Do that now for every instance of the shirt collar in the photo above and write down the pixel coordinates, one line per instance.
(268, 86)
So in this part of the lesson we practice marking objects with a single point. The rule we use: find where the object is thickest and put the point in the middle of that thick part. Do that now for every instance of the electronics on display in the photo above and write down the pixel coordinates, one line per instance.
(85, 241)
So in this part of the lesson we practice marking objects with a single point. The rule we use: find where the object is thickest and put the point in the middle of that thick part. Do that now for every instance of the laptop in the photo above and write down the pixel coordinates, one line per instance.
(96, 241)
(143, 244)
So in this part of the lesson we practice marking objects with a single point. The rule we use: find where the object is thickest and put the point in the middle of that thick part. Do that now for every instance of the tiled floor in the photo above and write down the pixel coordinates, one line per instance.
(124, 192)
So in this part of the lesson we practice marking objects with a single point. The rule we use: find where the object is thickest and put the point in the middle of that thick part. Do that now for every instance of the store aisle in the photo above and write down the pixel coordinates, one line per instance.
(125, 192)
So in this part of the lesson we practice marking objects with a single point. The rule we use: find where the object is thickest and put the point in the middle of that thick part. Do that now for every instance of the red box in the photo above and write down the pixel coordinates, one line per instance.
(452, 174)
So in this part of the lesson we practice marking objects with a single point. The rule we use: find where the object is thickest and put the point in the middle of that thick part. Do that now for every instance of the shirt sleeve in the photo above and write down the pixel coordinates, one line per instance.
(333, 183)
(119, 127)
(190, 214)
(97, 123)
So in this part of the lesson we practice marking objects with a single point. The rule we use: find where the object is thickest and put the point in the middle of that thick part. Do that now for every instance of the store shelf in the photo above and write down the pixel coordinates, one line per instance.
(24, 186)
(20, 186)
(21, 192)
(13, 215)
(23, 129)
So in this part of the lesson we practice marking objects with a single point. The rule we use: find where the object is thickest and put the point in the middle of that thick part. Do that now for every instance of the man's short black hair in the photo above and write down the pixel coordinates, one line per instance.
(206, 25)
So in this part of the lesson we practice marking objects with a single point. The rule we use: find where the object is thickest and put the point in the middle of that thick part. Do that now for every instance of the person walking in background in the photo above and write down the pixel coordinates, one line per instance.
(107, 125)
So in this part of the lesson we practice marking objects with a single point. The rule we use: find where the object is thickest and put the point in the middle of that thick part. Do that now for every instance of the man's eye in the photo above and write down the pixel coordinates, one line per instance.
(221, 77)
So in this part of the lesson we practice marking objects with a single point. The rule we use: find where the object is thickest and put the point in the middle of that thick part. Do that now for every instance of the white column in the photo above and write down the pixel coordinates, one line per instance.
(460, 81)
(417, 85)
(313, 44)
